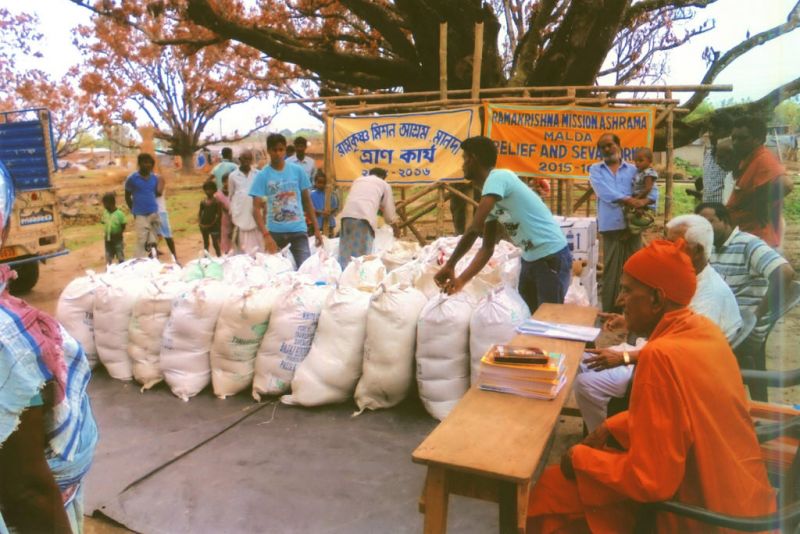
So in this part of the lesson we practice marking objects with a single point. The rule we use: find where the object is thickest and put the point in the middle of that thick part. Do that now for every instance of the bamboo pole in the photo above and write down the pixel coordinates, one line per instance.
(419, 194)
(326, 165)
(670, 156)
(477, 61)
(513, 90)
(568, 193)
(456, 192)
(443, 61)
(342, 110)
(440, 213)
(401, 210)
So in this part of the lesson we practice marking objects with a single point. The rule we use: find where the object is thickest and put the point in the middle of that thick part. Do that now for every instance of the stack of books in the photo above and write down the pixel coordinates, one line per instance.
(522, 371)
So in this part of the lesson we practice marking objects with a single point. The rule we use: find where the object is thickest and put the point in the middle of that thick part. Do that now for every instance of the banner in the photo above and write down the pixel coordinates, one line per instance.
(561, 142)
(415, 148)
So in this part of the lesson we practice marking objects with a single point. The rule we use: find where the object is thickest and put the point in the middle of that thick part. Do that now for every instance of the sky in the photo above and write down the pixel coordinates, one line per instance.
(752, 75)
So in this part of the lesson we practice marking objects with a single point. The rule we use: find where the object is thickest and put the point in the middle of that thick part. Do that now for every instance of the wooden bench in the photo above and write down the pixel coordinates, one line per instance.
(493, 446)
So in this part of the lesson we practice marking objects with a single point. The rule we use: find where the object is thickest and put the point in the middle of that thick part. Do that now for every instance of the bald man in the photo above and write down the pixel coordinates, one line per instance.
(687, 435)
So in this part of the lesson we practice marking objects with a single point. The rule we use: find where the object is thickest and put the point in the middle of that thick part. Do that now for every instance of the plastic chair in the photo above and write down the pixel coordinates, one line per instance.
(786, 519)
(755, 357)
(748, 323)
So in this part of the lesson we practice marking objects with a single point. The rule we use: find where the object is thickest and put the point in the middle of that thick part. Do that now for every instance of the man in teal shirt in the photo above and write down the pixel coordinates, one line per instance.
(507, 200)
(223, 167)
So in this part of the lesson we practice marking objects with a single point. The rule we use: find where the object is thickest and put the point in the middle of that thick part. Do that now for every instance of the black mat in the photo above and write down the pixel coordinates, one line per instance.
(282, 469)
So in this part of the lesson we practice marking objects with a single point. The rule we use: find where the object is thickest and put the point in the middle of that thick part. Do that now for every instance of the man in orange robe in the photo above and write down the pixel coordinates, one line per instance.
(756, 203)
(687, 434)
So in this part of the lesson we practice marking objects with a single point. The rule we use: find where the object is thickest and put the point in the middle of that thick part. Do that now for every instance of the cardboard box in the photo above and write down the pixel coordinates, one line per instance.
(581, 232)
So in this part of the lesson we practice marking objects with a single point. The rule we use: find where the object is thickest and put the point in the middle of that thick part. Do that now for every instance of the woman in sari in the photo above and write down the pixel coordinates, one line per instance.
(47, 430)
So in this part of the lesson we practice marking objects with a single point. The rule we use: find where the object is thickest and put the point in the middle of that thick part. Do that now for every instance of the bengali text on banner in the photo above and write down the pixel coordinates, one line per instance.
(561, 142)
(414, 148)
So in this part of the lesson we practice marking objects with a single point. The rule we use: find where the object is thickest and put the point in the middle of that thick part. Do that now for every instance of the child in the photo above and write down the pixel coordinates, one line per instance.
(209, 216)
(318, 199)
(226, 226)
(113, 226)
(639, 219)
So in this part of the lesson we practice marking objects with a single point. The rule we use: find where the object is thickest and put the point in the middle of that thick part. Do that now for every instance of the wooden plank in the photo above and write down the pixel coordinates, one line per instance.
(419, 194)
(436, 500)
(440, 211)
(484, 422)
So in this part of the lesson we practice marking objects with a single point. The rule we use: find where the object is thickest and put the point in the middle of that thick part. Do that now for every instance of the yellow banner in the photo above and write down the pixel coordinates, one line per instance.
(561, 142)
(415, 148)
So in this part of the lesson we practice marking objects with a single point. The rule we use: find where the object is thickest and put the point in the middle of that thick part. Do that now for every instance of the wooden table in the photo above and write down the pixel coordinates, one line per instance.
(493, 446)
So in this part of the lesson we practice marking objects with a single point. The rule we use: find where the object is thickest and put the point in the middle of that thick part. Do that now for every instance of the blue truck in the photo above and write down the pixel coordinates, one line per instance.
(29, 156)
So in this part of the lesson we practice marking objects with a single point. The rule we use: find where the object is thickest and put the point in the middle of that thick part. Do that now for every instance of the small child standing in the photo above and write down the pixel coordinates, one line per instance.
(226, 226)
(318, 199)
(209, 217)
(640, 218)
(113, 221)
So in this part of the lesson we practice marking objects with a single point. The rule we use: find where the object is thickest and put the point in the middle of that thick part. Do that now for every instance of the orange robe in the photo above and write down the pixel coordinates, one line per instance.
(688, 436)
(757, 200)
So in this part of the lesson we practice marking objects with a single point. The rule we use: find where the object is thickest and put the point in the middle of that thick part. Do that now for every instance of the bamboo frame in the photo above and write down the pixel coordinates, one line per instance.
(445, 98)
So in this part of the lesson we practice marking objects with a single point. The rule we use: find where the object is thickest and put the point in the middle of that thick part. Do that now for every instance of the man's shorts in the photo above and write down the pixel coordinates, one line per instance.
(166, 230)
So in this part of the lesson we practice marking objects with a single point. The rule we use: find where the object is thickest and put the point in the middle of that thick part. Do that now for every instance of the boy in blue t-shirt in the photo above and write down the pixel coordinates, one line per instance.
(318, 199)
(287, 190)
(507, 200)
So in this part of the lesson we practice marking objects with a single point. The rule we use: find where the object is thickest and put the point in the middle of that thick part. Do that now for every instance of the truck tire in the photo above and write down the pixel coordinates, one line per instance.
(27, 276)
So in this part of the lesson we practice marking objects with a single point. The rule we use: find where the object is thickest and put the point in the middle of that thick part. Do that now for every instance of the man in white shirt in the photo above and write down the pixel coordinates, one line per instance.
(607, 372)
(367, 195)
(247, 236)
(300, 158)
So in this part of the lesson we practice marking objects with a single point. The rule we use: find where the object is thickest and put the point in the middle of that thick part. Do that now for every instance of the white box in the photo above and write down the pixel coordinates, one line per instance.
(581, 232)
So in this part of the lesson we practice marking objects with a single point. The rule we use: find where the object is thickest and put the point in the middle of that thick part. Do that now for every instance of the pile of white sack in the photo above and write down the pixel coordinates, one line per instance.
(314, 335)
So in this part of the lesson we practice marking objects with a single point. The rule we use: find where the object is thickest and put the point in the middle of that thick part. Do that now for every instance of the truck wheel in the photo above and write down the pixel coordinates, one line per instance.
(27, 276)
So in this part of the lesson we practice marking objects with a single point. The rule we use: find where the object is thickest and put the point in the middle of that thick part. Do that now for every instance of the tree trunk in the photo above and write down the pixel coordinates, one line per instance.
(187, 162)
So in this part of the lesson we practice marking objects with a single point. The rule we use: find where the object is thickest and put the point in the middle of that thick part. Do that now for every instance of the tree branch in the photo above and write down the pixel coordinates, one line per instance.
(341, 66)
(720, 64)
(647, 6)
(380, 19)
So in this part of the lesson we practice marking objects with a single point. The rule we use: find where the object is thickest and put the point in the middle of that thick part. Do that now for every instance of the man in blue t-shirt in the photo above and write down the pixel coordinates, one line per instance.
(507, 200)
(141, 190)
(286, 188)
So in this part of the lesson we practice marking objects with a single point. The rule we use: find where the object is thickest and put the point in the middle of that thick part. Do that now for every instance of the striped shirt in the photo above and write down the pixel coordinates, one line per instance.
(746, 262)
(713, 178)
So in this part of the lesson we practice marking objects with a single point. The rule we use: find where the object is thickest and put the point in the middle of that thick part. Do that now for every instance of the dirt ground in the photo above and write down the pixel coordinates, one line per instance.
(59, 271)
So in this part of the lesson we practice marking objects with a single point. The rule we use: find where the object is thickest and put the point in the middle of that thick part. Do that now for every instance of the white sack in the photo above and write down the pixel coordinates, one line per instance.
(187, 337)
(443, 352)
(321, 267)
(576, 293)
(389, 347)
(148, 319)
(75, 312)
(384, 238)
(240, 328)
(288, 338)
(332, 368)
(113, 304)
(494, 321)
(400, 253)
(365, 273)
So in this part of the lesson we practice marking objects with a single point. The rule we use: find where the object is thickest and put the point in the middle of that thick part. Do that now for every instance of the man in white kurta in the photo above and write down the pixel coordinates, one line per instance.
(607, 373)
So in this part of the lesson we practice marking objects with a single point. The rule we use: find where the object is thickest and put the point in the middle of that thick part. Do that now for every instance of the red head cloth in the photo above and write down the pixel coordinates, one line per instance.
(664, 265)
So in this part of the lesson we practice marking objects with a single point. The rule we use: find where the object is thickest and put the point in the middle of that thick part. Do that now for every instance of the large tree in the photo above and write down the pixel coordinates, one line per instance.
(179, 90)
(354, 45)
